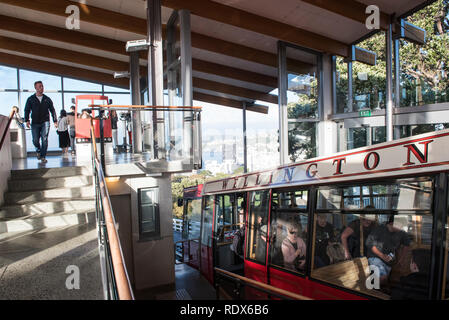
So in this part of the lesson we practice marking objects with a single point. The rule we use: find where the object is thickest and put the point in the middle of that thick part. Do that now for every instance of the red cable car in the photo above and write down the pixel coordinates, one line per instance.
(361, 224)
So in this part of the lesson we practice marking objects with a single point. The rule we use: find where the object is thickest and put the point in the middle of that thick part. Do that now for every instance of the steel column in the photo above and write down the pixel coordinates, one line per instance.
(186, 79)
(389, 87)
(171, 73)
(245, 144)
(397, 83)
(282, 97)
(156, 75)
(135, 100)
(350, 105)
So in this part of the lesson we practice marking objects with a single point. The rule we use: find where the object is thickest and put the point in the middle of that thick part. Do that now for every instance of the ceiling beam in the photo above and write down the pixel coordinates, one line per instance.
(118, 47)
(249, 21)
(85, 59)
(118, 21)
(234, 73)
(350, 9)
(104, 78)
(88, 13)
(61, 54)
(61, 34)
(33, 48)
(61, 70)
(233, 90)
(228, 102)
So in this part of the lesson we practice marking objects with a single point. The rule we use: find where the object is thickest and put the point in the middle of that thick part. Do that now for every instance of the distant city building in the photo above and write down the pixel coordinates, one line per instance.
(225, 154)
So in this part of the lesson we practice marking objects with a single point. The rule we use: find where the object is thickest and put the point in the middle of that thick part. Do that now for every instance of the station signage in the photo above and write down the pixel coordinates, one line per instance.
(413, 155)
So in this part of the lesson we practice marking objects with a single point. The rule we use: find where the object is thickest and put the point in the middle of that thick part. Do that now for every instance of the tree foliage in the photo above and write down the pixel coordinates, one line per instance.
(179, 183)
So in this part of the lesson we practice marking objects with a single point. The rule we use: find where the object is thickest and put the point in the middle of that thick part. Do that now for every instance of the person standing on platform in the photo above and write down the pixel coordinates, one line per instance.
(71, 120)
(39, 105)
(63, 132)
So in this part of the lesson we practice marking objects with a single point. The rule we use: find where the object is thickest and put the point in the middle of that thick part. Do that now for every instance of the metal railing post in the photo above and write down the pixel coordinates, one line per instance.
(103, 162)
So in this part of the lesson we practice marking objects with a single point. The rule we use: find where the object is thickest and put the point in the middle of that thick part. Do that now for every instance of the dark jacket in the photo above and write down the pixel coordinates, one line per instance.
(415, 286)
(39, 110)
(114, 121)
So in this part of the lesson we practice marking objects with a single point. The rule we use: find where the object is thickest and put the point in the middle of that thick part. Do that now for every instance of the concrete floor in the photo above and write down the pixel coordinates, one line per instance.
(189, 285)
(33, 264)
(55, 160)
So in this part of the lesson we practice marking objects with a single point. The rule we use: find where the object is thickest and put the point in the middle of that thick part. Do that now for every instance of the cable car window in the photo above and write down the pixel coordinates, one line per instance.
(224, 216)
(192, 220)
(206, 234)
(383, 255)
(257, 226)
(403, 195)
(288, 235)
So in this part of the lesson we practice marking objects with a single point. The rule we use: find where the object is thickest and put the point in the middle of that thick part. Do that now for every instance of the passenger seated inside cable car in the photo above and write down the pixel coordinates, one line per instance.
(381, 255)
(288, 240)
(294, 249)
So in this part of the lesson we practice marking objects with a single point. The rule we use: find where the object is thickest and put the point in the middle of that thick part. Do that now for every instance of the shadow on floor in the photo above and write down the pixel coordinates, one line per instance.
(189, 285)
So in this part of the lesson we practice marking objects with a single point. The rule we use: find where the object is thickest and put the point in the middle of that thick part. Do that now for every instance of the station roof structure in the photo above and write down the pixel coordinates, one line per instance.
(234, 42)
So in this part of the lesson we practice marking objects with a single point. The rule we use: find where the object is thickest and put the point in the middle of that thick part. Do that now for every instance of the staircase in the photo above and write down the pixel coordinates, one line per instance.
(47, 223)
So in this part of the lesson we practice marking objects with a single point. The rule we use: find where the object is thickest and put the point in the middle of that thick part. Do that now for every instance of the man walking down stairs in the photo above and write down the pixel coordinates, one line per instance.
(48, 236)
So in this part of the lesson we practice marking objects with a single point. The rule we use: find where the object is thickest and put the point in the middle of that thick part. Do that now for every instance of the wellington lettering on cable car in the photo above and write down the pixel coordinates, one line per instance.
(417, 154)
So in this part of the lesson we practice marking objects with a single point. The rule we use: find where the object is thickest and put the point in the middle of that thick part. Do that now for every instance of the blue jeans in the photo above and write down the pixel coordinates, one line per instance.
(384, 269)
(40, 131)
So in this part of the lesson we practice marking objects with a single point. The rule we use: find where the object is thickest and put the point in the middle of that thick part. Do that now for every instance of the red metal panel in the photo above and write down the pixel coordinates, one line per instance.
(306, 287)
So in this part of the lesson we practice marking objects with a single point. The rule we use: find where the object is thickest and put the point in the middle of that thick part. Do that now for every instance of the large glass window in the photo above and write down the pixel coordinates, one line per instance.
(375, 239)
(28, 78)
(303, 101)
(78, 85)
(424, 68)
(412, 130)
(302, 138)
(7, 101)
(8, 78)
(258, 226)
(341, 85)
(288, 237)
(261, 137)
(365, 136)
(369, 82)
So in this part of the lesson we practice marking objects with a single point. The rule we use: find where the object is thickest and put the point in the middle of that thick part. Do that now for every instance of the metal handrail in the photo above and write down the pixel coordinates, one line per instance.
(15, 110)
(281, 293)
(121, 278)
(127, 107)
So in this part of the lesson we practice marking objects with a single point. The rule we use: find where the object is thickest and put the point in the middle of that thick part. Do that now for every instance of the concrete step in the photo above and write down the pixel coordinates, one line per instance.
(49, 173)
(45, 207)
(58, 194)
(49, 183)
(44, 221)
